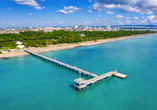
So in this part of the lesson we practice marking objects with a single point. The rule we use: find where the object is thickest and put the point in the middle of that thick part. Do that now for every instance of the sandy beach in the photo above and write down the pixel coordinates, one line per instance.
(66, 46)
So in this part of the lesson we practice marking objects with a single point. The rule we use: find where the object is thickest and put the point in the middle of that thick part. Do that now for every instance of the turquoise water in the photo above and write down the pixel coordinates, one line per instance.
(29, 83)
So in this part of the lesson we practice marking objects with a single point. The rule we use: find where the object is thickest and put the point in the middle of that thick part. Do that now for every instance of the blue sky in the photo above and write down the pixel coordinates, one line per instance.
(25, 13)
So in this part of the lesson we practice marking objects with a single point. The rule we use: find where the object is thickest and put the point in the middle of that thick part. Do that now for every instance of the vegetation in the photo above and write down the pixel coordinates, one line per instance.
(0, 52)
(41, 39)
(8, 45)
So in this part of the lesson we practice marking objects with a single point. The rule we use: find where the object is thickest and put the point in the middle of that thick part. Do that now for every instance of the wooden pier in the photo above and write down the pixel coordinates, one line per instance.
(73, 68)
(80, 83)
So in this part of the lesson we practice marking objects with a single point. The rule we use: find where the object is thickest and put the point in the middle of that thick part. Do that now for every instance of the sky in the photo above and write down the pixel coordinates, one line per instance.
(26, 13)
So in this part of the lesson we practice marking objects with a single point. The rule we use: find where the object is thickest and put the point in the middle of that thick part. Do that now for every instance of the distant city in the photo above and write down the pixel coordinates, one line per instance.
(50, 29)
(78, 28)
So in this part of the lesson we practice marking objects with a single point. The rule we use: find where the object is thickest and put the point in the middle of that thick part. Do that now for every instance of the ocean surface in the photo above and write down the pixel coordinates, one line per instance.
(29, 83)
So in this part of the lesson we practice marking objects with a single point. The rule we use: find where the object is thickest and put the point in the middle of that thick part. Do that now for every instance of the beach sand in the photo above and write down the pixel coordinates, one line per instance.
(66, 46)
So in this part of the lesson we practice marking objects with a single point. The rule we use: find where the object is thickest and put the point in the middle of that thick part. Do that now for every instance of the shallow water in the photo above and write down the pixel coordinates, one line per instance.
(28, 83)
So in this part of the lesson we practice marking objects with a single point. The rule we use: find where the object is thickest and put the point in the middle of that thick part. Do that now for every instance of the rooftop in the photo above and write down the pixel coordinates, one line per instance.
(80, 80)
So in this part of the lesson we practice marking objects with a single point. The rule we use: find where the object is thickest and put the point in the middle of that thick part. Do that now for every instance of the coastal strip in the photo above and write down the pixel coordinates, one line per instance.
(66, 46)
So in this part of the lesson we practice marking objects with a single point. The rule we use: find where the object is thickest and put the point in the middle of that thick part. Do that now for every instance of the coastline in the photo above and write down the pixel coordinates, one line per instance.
(67, 46)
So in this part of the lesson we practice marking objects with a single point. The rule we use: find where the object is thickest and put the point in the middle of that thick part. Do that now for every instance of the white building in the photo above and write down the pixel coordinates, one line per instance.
(108, 28)
(114, 29)
(19, 45)
(118, 28)
(75, 27)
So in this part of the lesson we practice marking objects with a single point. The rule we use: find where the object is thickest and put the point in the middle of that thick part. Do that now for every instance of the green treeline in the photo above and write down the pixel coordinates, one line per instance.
(41, 38)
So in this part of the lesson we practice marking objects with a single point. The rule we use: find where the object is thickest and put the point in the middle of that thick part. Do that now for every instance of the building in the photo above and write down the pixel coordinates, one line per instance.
(19, 45)
(114, 29)
(117, 29)
(108, 28)
(80, 28)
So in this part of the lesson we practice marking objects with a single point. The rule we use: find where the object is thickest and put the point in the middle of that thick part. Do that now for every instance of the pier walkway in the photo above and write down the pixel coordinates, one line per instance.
(80, 83)
(73, 68)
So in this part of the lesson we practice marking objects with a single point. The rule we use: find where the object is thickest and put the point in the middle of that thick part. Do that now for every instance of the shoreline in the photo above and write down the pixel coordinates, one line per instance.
(67, 46)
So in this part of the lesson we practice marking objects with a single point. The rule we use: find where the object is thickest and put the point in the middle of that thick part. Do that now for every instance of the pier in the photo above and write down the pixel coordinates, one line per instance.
(61, 64)
(80, 83)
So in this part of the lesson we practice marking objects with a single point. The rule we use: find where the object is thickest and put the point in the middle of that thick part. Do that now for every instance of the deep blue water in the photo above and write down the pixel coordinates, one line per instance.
(29, 83)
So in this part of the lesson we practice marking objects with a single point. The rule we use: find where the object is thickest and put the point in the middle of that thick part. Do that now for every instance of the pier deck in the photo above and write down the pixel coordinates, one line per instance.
(73, 68)
(80, 83)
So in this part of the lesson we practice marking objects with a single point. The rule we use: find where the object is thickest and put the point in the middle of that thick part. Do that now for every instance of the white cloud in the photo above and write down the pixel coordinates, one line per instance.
(10, 23)
(151, 17)
(38, 8)
(72, 8)
(87, 22)
(96, 19)
(31, 3)
(27, 2)
(109, 12)
(142, 17)
(154, 21)
(129, 9)
(138, 6)
(10, 8)
(75, 8)
(128, 21)
(59, 22)
(110, 6)
(147, 12)
(90, 11)
(127, 18)
(119, 22)
(66, 11)
(136, 18)
(99, 15)
(95, 7)
(90, 0)
(69, 10)
(63, 11)
(119, 16)
(30, 13)
(143, 21)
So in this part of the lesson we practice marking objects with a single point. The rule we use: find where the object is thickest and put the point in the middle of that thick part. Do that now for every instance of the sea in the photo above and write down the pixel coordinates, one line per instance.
(29, 83)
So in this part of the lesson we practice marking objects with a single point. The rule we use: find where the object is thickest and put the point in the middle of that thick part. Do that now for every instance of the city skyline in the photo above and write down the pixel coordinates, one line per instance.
(25, 13)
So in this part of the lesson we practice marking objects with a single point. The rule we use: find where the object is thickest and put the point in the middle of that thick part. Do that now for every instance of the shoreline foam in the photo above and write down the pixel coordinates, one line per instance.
(67, 46)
